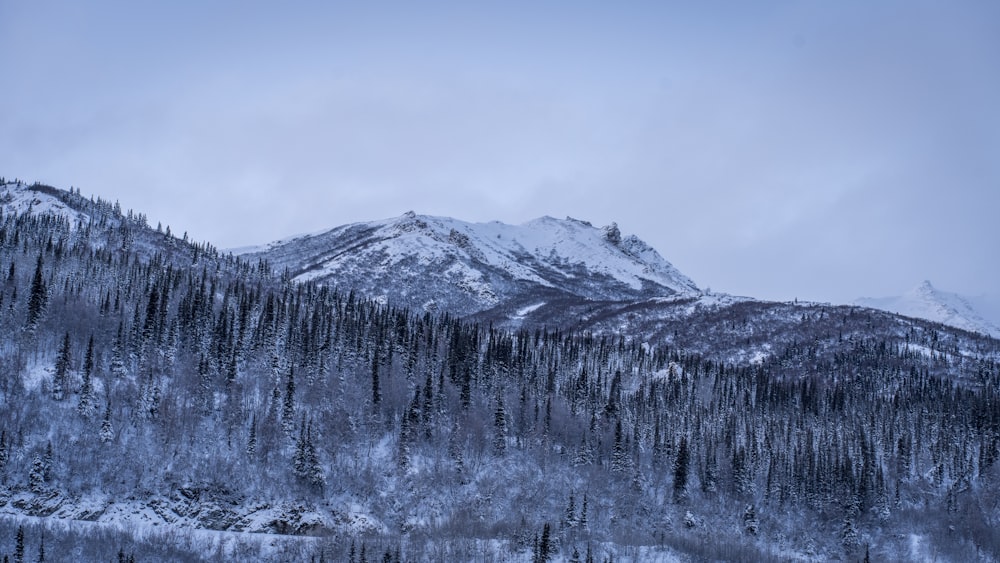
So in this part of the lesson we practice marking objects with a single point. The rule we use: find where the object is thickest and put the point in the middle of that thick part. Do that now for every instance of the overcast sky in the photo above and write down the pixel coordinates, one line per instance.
(813, 149)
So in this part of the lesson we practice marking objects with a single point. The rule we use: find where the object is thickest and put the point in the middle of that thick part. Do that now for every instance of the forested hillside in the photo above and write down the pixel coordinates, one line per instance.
(153, 389)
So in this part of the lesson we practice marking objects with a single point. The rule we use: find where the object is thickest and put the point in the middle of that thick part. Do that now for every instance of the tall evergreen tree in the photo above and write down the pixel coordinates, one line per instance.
(288, 407)
(19, 545)
(107, 430)
(376, 386)
(621, 461)
(252, 439)
(569, 518)
(545, 545)
(118, 353)
(60, 377)
(499, 427)
(681, 470)
(86, 404)
(36, 476)
(38, 296)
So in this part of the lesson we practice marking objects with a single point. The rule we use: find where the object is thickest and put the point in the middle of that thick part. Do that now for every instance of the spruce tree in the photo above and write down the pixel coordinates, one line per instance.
(455, 448)
(544, 545)
(569, 518)
(118, 353)
(86, 404)
(299, 459)
(711, 472)
(47, 461)
(620, 459)
(428, 406)
(584, 452)
(60, 377)
(376, 387)
(849, 533)
(314, 471)
(288, 407)
(658, 451)
(4, 453)
(252, 439)
(19, 545)
(36, 476)
(499, 427)
(107, 430)
(681, 471)
(38, 296)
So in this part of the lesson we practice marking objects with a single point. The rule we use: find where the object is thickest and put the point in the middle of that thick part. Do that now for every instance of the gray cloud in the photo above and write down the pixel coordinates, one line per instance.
(807, 149)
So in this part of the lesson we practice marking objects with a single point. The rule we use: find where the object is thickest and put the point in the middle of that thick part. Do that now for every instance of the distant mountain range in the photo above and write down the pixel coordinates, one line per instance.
(547, 271)
(976, 314)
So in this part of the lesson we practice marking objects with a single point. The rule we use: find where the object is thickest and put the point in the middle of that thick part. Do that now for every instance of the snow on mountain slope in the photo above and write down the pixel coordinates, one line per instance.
(18, 197)
(439, 263)
(927, 302)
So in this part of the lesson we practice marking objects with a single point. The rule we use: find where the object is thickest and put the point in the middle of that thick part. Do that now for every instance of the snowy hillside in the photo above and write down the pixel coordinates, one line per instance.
(438, 263)
(927, 302)
(164, 402)
(18, 197)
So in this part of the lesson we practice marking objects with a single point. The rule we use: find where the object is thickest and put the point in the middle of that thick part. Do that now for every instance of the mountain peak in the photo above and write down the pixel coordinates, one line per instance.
(433, 262)
(927, 302)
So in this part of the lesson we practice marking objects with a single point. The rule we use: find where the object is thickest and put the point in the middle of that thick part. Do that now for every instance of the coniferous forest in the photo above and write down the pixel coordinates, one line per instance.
(162, 400)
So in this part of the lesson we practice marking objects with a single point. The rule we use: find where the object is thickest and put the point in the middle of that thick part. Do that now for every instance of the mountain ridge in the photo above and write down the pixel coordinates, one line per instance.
(440, 263)
(525, 298)
(928, 302)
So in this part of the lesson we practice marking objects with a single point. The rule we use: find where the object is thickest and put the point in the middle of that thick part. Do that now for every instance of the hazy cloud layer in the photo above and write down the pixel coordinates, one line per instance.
(781, 149)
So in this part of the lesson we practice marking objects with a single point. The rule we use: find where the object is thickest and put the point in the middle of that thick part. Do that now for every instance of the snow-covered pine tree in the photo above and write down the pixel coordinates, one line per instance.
(86, 405)
(19, 545)
(251, 448)
(107, 430)
(36, 476)
(38, 296)
(621, 461)
(313, 469)
(299, 458)
(288, 406)
(681, 470)
(499, 427)
(60, 375)
(569, 519)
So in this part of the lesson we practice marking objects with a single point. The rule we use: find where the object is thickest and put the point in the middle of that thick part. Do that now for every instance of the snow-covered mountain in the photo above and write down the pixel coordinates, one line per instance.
(927, 302)
(443, 264)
